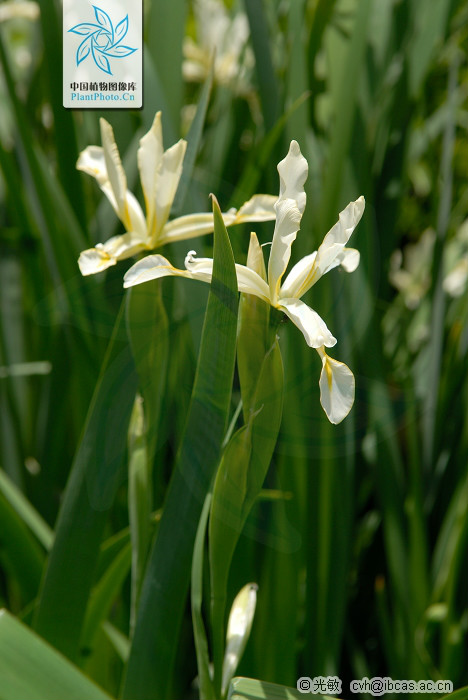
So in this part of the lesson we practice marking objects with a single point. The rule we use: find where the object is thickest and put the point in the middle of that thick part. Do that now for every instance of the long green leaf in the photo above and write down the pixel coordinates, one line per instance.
(199, 632)
(238, 483)
(32, 670)
(26, 511)
(351, 73)
(251, 689)
(194, 137)
(64, 127)
(20, 553)
(165, 587)
(165, 25)
(94, 479)
(267, 82)
(103, 596)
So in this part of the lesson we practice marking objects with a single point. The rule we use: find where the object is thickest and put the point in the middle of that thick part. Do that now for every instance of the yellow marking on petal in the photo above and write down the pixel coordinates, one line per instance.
(329, 373)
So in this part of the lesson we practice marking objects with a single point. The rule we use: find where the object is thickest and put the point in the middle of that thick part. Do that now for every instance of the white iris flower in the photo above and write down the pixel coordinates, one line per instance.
(160, 173)
(222, 40)
(238, 631)
(336, 379)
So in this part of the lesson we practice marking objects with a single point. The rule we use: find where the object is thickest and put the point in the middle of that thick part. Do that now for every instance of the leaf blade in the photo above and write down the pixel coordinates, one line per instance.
(168, 574)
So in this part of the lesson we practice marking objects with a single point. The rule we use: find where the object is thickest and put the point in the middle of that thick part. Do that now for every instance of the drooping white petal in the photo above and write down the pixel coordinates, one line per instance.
(260, 207)
(151, 268)
(296, 278)
(288, 219)
(94, 260)
(156, 266)
(185, 227)
(334, 242)
(293, 172)
(167, 181)
(149, 158)
(115, 171)
(200, 268)
(336, 388)
(106, 254)
(349, 259)
(311, 325)
(238, 631)
(124, 246)
(248, 281)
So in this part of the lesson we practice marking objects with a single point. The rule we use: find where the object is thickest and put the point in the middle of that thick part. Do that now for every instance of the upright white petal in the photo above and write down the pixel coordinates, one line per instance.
(136, 221)
(288, 219)
(296, 278)
(115, 171)
(335, 241)
(293, 172)
(167, 181)
(238, 631)
(347, 258)
(255, 259)
(149, 159)
(311, 325)
(249, 282)
(92, 162)
(336, 388)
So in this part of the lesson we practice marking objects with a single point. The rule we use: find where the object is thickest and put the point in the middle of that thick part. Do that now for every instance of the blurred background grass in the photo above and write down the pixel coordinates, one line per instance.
(359, 546)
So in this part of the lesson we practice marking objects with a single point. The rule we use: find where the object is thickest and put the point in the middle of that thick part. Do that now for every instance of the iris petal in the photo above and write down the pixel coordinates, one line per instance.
(336, 388)
(311, 325)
